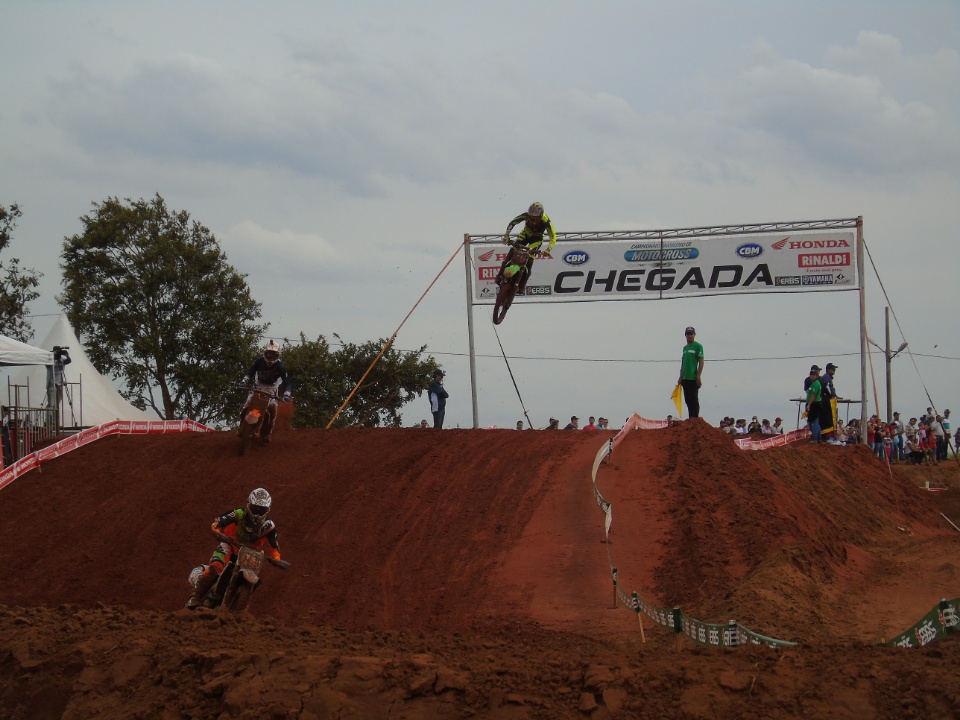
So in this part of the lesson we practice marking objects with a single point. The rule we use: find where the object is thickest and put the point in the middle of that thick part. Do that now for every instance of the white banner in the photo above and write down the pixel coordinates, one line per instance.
(652, 269)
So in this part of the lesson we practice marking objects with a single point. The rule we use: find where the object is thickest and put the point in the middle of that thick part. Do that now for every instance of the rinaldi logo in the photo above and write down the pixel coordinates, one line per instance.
(808, 260)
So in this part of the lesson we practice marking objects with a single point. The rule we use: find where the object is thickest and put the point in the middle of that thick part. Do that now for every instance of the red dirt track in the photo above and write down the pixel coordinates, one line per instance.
(465, 574)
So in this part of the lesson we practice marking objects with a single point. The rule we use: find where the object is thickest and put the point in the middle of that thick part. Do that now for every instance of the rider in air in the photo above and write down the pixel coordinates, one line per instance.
(269, 374)
(535, 222)
(249, 525)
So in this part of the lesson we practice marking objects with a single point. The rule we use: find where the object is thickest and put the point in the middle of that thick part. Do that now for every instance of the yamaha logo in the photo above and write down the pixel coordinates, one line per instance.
(576, 257)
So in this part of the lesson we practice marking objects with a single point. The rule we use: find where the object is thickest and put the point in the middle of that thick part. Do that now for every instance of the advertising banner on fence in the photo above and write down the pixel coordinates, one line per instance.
(654, 269)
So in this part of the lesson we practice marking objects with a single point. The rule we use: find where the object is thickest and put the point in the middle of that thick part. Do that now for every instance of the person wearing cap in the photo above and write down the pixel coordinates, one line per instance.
(554, 424)
(574, 423)
(813, 403)
(438, 398)
(828, 405)
(691, 368)
(778, 426)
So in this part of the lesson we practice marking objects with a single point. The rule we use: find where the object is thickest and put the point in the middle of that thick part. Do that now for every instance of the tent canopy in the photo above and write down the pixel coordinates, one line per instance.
(100, 402)
(13, 352)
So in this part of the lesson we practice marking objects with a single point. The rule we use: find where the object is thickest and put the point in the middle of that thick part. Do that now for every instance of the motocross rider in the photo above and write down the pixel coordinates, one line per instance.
(535, 222)
(249, 525)
(267, 373)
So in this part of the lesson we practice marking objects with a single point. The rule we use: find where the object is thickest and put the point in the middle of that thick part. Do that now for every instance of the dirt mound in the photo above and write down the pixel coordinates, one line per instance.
(456, 573)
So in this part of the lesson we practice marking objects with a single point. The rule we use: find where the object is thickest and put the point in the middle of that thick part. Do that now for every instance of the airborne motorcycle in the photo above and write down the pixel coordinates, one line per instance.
(513, 275)
(240, 576)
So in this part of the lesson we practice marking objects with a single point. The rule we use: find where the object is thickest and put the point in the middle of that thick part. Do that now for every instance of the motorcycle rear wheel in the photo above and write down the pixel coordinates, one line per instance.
(505, 295)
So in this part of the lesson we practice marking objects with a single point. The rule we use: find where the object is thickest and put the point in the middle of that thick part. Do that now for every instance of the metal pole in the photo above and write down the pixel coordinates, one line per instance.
(889, 358)
(863, 333)
(473, 354)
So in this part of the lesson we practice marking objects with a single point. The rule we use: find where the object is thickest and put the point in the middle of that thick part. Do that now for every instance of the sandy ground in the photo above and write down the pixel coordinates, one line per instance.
(466, 574)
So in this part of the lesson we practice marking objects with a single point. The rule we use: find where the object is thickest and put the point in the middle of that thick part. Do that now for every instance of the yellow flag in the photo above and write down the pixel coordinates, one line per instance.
(677, 397)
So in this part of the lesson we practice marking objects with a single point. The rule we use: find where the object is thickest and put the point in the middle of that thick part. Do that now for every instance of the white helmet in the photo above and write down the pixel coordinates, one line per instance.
(258, 507)
(271, 353)
(536, 210)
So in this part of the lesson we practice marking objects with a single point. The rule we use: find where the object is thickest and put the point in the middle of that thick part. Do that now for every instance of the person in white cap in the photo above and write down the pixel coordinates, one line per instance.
(691, 368)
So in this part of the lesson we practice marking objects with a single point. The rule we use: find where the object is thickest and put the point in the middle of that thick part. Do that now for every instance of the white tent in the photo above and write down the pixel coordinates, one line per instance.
(14, 352)
(97, 401)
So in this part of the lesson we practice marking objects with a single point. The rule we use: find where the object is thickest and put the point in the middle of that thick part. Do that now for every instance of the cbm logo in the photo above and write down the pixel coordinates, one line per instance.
(750, 250)
(576, 257)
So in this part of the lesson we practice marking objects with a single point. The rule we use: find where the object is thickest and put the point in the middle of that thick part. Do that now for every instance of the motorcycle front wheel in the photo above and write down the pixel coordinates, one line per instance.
(240, 597)
(247, 432)
(505, 295)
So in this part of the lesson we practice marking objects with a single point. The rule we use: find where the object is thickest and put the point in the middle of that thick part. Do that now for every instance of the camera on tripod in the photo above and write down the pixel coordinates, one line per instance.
(59, 353)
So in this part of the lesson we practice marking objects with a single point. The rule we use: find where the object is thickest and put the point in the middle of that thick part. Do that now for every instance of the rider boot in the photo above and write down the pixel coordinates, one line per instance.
(243, 414)
(503, 266)
(204, 583)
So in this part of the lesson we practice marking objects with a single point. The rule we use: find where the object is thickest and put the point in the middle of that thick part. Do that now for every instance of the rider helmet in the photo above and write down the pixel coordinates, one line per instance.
(535, 210)
(271, 353)
(258, 507)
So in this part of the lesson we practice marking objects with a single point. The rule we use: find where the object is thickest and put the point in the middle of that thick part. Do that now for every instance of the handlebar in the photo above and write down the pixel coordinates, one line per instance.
(270, 393)
(282, 564)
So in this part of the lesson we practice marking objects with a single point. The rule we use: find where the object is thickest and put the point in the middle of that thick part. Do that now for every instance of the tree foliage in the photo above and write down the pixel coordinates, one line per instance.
(161, 308)
(323, 378)
(17, 285)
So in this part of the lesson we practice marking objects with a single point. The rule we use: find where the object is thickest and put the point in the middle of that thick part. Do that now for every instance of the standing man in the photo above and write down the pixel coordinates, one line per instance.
(828, 405)
(898, 440)
(438, 398)
(574, 423)
(691, 368)
(813, 403)
(5, 437)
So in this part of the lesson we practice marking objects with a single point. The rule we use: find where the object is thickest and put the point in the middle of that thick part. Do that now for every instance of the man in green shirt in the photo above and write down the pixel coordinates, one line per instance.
(813, 403)
(691, 367)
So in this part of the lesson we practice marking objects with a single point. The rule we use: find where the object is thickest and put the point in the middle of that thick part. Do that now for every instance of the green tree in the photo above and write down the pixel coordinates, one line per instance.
(17, 285)
(322, 379)
(161, 308)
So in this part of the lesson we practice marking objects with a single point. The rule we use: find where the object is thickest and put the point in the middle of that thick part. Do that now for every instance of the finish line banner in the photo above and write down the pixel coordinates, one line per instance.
(655, 269)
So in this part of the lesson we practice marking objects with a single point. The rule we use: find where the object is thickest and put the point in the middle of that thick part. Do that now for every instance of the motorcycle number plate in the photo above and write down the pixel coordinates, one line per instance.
(250, 562)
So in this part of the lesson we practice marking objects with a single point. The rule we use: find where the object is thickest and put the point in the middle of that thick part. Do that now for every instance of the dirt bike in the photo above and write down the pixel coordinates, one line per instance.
(240, 576)
(520, 267)
(257, 419)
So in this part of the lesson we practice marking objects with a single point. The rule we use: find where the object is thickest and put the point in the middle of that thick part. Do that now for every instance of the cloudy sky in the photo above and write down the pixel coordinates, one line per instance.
(340, 151)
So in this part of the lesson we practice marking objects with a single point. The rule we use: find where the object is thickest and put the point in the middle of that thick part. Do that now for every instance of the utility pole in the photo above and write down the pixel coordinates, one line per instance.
(889, 356)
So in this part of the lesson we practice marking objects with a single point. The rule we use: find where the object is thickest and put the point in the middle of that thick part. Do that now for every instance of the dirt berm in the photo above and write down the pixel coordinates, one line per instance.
(465, 574)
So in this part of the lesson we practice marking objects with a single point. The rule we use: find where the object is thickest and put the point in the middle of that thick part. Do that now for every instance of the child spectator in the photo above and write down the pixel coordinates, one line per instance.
(888, 432)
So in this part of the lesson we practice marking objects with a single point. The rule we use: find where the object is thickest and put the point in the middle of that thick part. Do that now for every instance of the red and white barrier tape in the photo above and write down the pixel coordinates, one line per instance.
(85, 437)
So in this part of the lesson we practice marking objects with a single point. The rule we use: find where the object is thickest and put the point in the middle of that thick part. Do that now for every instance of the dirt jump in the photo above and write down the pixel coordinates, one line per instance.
(466, 573)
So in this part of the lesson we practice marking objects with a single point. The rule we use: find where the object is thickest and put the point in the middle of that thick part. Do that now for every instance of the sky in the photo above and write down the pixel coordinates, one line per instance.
(339, 152)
